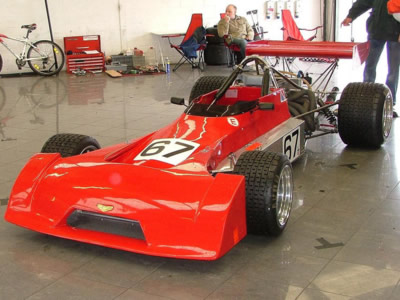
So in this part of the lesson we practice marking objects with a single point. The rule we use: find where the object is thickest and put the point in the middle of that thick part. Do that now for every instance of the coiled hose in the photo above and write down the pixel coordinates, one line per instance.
(300, 101)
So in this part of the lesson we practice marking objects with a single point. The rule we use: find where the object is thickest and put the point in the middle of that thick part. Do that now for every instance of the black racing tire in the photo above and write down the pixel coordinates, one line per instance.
(70, 144)
(54, 61)
(216, 54)
(1, 63)
(205, 85)
(269, 191)
(365, 114)
(213, 37)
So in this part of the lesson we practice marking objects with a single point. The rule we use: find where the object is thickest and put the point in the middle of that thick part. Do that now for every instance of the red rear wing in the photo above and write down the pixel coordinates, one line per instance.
(336, 50)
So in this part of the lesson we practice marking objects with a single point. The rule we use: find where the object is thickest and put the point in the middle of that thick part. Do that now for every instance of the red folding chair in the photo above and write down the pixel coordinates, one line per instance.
(290, 29)
(232, 50)
(194, 33)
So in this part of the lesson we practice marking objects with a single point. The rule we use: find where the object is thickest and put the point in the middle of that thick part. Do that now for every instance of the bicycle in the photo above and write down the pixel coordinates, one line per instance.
(44, 57)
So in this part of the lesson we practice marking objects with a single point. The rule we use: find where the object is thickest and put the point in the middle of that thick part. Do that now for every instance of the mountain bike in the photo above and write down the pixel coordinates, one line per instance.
(44, 57)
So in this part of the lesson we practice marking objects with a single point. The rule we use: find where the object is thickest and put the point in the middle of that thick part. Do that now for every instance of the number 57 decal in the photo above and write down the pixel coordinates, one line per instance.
(291, 144)
(171, 151)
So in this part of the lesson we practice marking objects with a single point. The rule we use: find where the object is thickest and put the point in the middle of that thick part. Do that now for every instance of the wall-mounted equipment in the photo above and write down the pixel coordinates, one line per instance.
(297, 8)
(271, 9)
(290, 5)
(279, 6)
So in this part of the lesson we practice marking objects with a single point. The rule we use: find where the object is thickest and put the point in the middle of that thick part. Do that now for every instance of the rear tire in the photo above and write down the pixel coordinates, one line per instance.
(53, 61)
(213, 37)
(365, 114)
(216, 54)
(205, 85)
(269, 191)
(69, 144)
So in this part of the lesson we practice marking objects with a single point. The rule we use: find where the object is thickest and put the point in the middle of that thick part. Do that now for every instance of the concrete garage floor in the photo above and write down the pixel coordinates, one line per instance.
(342, 241)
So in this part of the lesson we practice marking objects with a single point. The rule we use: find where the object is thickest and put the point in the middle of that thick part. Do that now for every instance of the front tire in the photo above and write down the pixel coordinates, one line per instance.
(69, 144)
(365, 114)
(46, 58)
(205, 85)
(269, 191)
(1, 63)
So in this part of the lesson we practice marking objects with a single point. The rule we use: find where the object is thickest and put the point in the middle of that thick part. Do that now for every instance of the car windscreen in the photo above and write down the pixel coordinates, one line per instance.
(215, 110)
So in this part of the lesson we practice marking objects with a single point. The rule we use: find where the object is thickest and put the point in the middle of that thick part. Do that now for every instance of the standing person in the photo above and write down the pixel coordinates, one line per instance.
(382, 29)
(236, 30)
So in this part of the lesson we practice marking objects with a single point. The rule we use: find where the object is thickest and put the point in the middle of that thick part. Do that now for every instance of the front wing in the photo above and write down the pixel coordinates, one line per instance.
(177, 215)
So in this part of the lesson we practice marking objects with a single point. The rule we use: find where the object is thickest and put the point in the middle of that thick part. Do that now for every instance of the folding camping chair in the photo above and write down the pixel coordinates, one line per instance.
(232, 50)
(193, 41)
(291, 31)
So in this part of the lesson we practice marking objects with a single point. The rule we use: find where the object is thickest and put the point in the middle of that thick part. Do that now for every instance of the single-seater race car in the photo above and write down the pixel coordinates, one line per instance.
(196, 187)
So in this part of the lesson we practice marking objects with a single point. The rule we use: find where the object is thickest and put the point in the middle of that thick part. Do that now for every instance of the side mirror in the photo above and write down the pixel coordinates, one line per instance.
(178, 101)
(266, 106)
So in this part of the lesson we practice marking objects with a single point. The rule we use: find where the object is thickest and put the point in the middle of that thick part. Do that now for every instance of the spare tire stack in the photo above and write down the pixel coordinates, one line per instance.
(216, 52)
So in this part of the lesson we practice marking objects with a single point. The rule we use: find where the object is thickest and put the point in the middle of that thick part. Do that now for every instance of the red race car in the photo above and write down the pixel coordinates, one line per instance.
(196, 187)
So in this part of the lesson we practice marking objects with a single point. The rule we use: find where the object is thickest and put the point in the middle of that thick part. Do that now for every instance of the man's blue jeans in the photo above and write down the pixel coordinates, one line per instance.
(393, 61)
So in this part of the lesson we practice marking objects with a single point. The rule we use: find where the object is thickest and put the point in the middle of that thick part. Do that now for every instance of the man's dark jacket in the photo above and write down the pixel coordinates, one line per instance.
(380, 25)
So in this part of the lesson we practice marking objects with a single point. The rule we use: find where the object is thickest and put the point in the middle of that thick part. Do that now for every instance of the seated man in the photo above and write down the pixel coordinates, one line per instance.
(236, 29)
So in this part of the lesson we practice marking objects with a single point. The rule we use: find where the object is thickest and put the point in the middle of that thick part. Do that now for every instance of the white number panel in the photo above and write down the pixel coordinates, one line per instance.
(171, 151)
(291, 144)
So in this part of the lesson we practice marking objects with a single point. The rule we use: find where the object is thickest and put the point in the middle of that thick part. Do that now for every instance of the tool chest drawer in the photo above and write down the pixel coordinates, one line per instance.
(87, 62)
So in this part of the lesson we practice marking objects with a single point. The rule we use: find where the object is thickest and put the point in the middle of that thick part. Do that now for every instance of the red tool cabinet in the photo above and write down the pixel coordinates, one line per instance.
(84, 52)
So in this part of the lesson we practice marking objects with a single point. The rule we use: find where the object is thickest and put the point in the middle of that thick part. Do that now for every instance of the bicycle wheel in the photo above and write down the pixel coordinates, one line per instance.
(45, 58)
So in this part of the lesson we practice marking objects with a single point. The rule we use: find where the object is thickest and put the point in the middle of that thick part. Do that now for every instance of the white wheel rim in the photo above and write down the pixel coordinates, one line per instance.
(387, 117)
(88, 149)
(284, 196)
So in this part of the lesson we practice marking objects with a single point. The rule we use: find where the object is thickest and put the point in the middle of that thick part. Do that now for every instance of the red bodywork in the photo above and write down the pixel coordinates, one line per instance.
(183, 210)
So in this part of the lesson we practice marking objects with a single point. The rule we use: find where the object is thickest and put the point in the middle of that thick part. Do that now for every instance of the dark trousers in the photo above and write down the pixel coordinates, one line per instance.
(393, 61)
(242, 44)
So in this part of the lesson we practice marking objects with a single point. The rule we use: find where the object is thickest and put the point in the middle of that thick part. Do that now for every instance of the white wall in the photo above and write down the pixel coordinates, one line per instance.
(125, 24)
